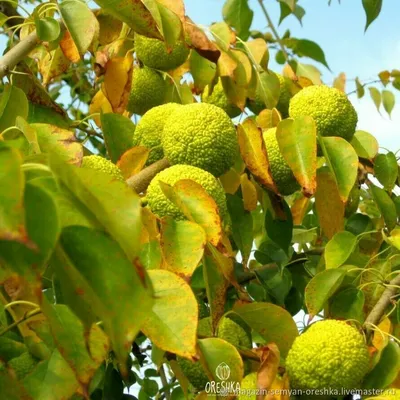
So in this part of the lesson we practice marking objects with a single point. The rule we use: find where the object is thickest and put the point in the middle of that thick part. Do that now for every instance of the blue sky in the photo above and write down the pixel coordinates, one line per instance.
(339, 30)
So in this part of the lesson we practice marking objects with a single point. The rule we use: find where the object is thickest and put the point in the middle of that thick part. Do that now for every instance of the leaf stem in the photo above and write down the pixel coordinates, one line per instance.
(27, 316)
(274, 30)
(164, 382)
(20, 302)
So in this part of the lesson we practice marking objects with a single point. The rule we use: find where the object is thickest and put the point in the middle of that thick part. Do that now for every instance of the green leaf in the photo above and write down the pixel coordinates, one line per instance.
(217, 354)
(268, 89)
(109, 202)
(43, 114)
(272, 322)
(372, 9)
(118, 133)
(80, 22)
(298, 145)
(242, 226)
(11, 389)
(342, 160)
(203, 71)
(216, 287)
(104, 278)
(12, 216)
(287, 8)
(321, 288)
(386, 169)
(47, 29)
(69, 336)
(238, 15)
(182, 245)
(13, 104)
(348, 304)
(150, 255)
(30, 135)
(223, 35)
(365, 145)
(280, 230)
(3, 19)
(307, 48)
(388, 100)
(376, 97)
(52, 379)
(172, 323)
(385, 205)
(387, 369)
(360, 89)
(339, 248)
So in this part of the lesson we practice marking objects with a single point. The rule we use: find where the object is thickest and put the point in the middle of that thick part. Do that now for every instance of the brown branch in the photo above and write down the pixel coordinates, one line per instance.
(380, 307)
(17, 53)
(140, 181)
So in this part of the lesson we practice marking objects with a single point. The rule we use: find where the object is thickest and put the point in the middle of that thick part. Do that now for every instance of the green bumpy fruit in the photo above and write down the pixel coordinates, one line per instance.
(218, 98)
(332, 111)
(329, 355)
(194, 372)
(257, 105)
(248, 387)
(154, 54)
(23, 365)
(281, 172)
(162, 207)
(201, 135)
(101, 164)
(149, 130)
(233, 333)
(148, 90)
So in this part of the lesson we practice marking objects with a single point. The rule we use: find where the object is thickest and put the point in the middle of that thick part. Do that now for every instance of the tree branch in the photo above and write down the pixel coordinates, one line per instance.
(140, 181)
(274, 30)
(378, 311)
(17, 53)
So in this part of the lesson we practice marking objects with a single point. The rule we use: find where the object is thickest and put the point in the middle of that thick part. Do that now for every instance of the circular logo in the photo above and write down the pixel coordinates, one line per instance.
(223, 371)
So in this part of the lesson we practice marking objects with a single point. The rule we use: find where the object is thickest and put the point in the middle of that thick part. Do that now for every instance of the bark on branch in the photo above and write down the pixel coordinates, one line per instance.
(378, 311)
(140, 181)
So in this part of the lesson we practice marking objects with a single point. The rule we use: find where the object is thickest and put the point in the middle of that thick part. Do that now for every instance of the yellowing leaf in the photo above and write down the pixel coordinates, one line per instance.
(230, 181)
(133, 161)
(254, 154)
(226, 65)
(330, 208)
(172, 323)
(52, 65)
(269, 364)
(69, 48)
(249, 193)
(149, 226)
(268, 119)
(99, 104)
(340, 82)
(299, 209)
(257, 48)
(117, 82)
(182, 245)
(380, 339)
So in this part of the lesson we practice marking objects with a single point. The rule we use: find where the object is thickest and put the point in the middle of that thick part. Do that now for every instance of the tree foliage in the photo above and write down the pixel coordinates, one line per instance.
(98, 291)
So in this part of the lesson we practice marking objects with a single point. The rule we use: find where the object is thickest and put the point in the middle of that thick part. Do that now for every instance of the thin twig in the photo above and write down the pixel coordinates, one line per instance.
(364, 85)
(274, 30)
(164, 382)
(27, 316)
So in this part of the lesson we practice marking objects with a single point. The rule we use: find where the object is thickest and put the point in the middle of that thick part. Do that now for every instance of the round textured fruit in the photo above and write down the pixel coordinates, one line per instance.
(194, 372)
(23, 364)
(248, 387)
(233, 333)
(257, 105)
(154, 54)
(201, 135)
(148, 90)
(161, 206)
(332, 111)
(329, 355)
(219, 99)
(149, 130)
(101, 164)
(281, 172)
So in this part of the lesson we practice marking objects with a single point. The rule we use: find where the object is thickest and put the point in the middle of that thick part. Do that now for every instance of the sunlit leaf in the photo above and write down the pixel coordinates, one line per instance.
(339, 248)
(388, 100)
(239, 15)
(13, 104)
(365, 145)
(386, 169)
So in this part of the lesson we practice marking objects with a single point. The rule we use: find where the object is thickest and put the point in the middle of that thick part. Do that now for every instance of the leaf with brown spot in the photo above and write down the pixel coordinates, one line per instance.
(150, 229)
(249, 193)
(199, 41)
(99, 104)
(133, 161)
(329, 205)
(117, 82)
(225, 263)
(52, 65)
(172, 323)
(254, 154)
(269, 364)
(299, 209)
(197, 205)
(182, 245)
(63, 142)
